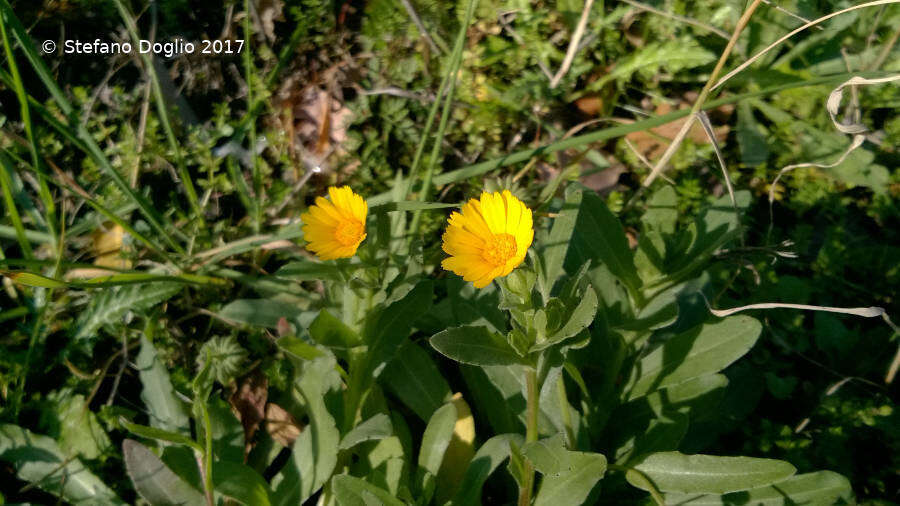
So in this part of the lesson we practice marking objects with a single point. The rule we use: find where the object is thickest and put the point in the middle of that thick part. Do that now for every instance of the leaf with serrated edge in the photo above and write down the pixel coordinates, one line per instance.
(113, 303)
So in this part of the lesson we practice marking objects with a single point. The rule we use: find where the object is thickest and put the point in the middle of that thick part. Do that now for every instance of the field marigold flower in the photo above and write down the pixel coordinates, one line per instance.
(334, 229)
(489, 238)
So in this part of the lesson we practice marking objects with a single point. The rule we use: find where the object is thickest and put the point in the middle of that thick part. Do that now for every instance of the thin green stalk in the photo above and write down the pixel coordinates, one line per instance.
(19, 395)
(455, 62)
(254, 166)
(698, 104)
(240, 184)
(163, 113)
(8, 232)
(25, 111)
(531, 432)
(11, 210)
(207, 453)
(429, 122)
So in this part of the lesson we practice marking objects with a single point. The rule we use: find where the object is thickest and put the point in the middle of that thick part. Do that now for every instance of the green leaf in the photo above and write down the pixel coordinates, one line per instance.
(309, 270)
(716, 225)
(414, 378)
(578, 320)
(599, 237)
(384, 462)
(751, 140)
(241, 483)
(226, 430)
(389, 328)
(474, 345)
(36, 280)
(259, 312)
(698, 397)
(486, 460)
(823, 487)
(350, 491)
(111, 304)
(660, 434)
(38, 459)
(671, 56)
(555, 246)
(315, 451)
(80, 432)
(154, 481)
(661, 213)
(661, 310)
(161, 435)
(409, 205)
(569, 476)
(697, 352)
(549, 456)
(333, 333)
(164, 408)
(708, 474)
(435, 440)
(498, 395)
(299, 348)
(377, 427)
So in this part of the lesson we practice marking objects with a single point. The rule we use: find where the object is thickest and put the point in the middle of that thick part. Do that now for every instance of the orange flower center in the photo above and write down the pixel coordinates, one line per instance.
(349, 232)
(499, 249)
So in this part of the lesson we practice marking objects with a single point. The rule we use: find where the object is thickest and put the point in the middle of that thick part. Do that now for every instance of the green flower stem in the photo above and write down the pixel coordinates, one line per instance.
(206, 467)
(531, 433)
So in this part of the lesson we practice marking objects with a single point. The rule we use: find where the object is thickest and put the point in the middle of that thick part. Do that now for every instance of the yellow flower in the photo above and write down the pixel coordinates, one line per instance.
(489, 238)
(334, 229)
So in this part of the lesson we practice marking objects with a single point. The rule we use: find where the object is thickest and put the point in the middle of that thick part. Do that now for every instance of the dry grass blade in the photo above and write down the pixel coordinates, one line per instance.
(707, 127)
(866, 312)
(698, 105)
(573, 44)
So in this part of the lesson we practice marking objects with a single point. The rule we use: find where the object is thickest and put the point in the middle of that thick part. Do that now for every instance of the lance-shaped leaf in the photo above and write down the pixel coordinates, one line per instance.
(491, 454)
(416, 380)
(599, 237)
(823, 487)
(377, 427)
(154, 481)
(708, 474)
(697, 352)
(435, 440)
(315, 450)
(475, 346)
(569, 476)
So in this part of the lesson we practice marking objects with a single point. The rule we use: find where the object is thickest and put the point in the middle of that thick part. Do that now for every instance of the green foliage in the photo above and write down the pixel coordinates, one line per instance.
(166, 341)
